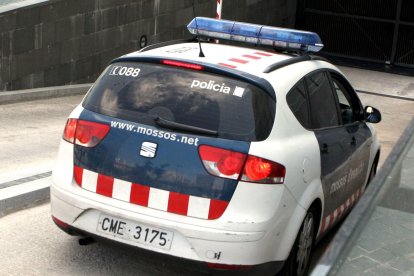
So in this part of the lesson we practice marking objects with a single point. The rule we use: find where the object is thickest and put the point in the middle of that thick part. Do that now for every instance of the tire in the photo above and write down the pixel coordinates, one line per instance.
(299, 258)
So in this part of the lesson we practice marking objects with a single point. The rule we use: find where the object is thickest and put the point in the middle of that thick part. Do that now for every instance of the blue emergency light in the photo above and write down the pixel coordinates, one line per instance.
(280, 38)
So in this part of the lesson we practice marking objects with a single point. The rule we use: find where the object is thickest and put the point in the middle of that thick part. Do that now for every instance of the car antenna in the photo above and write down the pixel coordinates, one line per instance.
(201, 54)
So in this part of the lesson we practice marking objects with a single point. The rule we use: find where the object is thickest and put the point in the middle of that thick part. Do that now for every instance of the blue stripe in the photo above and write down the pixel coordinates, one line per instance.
(176, 166)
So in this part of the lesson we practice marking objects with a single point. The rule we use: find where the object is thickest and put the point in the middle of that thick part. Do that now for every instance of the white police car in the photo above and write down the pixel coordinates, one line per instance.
(237, 157)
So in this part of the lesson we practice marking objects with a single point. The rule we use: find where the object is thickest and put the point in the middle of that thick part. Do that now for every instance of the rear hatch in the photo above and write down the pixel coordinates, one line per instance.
(168, 130)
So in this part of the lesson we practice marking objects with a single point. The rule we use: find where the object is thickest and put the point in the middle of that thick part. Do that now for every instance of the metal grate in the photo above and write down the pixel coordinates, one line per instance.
(405, 46)
(370, 30)
(352, 37)
(407, 11)
(372, 8)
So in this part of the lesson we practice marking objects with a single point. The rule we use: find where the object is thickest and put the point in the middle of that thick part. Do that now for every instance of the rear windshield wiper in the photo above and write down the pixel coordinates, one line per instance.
(181, 127)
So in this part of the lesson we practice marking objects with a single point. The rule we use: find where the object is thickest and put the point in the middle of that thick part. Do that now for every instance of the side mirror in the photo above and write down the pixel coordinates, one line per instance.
(372, 115)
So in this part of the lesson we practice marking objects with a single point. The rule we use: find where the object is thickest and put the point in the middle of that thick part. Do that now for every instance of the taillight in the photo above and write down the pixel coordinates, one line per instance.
(262, 170)
(70, 129)
(84, 133)
(235, 165)
(89, 134)
(222, 162)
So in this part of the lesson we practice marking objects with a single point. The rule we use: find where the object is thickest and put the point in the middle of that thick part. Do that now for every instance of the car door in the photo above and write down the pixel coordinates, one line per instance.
(333, 139)
(351, 118)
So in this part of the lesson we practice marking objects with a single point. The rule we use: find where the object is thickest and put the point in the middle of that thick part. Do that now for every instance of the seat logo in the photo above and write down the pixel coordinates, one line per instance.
(148, 149)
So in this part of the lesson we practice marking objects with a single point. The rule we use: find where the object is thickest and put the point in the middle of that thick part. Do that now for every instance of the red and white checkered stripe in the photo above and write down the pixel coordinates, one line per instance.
(244, 59)
(177, 203)
(219, 8)
(339, 212)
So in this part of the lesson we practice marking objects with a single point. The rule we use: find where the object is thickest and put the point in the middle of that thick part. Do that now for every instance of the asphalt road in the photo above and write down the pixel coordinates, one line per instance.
(29, 135)
(29, 242)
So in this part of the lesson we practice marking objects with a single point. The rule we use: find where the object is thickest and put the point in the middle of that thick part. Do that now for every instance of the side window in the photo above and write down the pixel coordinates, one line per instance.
(348, 106)
(298, 102)
(322, 101)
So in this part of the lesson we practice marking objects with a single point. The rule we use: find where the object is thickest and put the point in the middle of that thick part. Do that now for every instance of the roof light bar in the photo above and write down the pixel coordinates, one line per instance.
(282, 38)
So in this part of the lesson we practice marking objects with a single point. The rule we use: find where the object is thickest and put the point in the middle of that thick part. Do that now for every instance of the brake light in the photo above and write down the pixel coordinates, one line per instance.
(256, 168)
(89, 134)
(261, 170)
(222, 162)
(235, 165)
(182, 64)
(84, 133)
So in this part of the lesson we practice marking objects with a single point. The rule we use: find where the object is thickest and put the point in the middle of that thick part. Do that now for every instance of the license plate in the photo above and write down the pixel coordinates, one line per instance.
(136, 232)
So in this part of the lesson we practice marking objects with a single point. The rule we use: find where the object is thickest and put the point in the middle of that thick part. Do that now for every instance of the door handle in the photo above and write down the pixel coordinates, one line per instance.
(324, 149)
(353, 141)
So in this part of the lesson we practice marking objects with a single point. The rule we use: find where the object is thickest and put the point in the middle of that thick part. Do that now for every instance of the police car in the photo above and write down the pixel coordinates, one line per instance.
(237, 158)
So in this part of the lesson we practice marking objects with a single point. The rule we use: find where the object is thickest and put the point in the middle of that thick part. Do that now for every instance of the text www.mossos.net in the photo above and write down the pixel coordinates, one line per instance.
(156, 133)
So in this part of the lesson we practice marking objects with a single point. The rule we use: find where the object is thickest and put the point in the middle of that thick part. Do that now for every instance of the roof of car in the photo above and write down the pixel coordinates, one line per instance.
(249, 60)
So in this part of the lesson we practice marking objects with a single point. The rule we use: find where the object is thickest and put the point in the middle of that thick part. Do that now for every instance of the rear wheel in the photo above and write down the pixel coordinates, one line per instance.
(299, 258)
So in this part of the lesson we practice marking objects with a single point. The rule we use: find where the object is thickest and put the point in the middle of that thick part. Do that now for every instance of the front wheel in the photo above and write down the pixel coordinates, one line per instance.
(299, 258)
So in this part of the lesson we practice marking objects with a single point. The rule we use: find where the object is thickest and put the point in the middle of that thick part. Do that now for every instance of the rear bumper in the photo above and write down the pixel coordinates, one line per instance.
(255, 249)
(269, 268)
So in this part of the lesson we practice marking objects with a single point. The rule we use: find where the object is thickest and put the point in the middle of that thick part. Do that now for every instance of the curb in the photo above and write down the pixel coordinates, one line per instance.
(8, 97)
(22, 196)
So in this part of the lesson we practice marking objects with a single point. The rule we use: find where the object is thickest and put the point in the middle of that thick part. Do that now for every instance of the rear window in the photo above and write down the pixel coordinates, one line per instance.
(140, 92)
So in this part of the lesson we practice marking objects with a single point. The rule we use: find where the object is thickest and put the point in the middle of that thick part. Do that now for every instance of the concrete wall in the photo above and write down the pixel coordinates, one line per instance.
(70, 41)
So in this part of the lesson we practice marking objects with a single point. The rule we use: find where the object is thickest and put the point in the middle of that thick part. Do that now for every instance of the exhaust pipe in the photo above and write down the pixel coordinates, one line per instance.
(86, 241)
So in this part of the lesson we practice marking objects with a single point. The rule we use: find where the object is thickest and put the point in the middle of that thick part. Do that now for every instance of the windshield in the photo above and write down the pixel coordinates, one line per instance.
(142, 92)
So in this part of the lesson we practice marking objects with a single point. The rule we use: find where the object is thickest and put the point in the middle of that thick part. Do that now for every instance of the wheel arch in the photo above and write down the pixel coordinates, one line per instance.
(312, 199)
(289, 266)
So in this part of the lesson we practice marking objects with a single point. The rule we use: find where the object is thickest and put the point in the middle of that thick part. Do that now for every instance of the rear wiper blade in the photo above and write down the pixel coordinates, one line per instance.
(182, 127)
